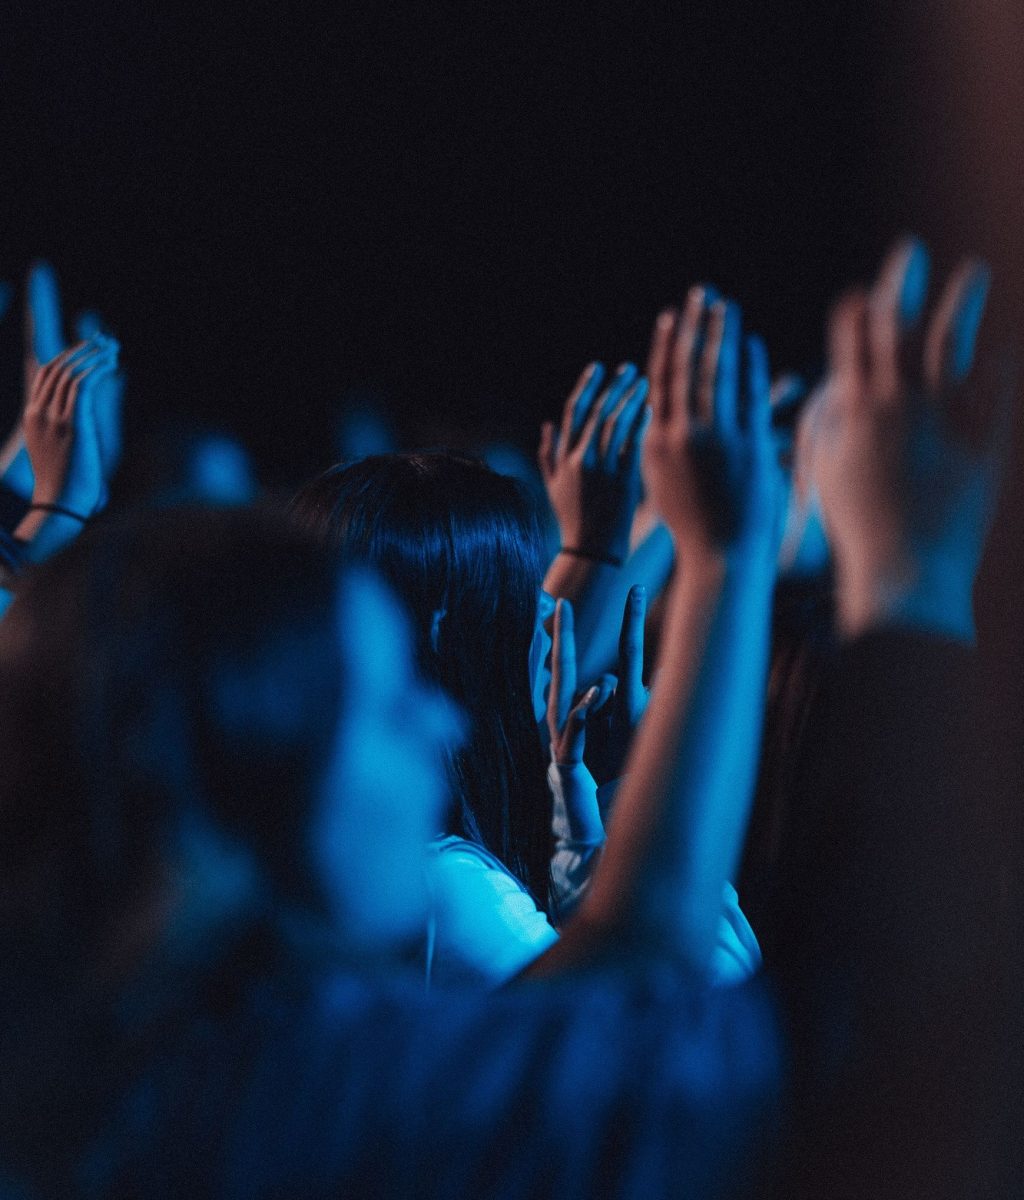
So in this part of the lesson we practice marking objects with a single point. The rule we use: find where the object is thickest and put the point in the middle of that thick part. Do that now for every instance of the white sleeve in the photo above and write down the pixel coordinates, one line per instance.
(486, 927)
(737, 955)
(579, 834)
(579, 807)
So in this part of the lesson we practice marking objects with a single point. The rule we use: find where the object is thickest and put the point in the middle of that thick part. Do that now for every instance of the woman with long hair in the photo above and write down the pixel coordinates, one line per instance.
(462, 546)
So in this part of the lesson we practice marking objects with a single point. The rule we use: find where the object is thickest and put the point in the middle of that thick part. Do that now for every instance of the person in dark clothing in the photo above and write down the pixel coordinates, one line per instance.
(893, 946)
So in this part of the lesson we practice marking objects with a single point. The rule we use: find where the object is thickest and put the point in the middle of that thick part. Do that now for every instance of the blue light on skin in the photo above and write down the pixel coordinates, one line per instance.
(540, 650)
(385, 792)
(220, 472)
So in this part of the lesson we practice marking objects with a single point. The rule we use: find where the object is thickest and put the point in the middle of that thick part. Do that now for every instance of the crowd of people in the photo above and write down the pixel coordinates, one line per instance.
(365, 844)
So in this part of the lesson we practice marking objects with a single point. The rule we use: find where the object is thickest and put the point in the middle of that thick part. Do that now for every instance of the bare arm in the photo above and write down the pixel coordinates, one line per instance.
(682, 810)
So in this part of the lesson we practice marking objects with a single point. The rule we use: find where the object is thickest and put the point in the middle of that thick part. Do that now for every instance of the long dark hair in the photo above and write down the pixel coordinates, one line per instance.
(453, 536)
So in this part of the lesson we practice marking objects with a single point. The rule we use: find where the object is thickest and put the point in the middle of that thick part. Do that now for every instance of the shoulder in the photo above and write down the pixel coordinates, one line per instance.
(487, 924)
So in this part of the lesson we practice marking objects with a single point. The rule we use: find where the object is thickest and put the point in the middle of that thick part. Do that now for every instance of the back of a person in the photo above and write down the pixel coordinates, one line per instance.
(612, 1085)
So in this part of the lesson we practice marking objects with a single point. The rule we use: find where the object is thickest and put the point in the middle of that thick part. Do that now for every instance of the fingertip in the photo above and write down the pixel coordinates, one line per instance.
(757, 353)
(968, 321)
(914, 289)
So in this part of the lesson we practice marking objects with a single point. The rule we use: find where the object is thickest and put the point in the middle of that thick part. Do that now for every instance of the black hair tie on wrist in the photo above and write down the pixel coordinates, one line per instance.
(58, 508)
(594, 556)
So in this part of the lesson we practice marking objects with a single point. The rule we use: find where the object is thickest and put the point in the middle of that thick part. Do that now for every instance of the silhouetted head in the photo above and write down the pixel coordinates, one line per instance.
(202, 720)
(461, 546)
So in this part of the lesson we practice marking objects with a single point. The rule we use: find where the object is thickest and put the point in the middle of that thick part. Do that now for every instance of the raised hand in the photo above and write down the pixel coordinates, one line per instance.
(591, 464)
(44, 341)
(907, 494)
(61, 431)
(709, 461)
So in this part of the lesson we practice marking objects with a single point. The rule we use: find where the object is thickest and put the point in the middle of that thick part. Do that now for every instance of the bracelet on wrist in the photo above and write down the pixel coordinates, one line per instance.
(592, 555)
(60, 509)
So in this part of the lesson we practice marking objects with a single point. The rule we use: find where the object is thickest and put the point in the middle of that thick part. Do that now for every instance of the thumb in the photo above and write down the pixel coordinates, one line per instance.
(573, 739)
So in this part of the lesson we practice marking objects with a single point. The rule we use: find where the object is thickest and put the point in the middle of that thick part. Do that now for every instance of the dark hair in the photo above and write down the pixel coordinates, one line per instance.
(453, 536)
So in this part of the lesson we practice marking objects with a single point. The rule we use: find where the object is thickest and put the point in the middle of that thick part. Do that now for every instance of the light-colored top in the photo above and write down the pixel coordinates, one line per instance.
(486, 927)
(485, 924)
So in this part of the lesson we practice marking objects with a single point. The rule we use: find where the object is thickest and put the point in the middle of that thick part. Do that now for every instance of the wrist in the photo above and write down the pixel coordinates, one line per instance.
(717, 562)
(932, 594)
(596, 540)
(591, 554)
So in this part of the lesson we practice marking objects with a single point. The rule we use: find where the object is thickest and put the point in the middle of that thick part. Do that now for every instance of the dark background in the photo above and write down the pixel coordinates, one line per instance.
(462, 204)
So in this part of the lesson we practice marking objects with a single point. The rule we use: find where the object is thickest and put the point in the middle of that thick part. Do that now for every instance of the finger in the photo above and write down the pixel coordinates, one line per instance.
(563, 663)
(47, 381)
(631, 649)
(725, 398)
(87, 324)
(73, 373)
(592, 434)
(847, 340)
(64, 358)
(758, 387)
(546, 450)
(658, 360)
(953, 331)
(625, 421)
(573, 740)
(894, 307)
(45, 332)
(685, 349)
(634, 449)
(704, 406)
(606, 686)
(581, 398)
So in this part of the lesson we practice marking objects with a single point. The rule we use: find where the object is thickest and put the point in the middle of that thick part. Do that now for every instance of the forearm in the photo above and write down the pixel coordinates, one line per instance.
(44, 533)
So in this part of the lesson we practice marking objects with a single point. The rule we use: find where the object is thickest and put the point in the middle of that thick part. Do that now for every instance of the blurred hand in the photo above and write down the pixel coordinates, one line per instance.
(44, 340)
(907, 494)
(61, 427)
(591, 464)
(710, 465)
